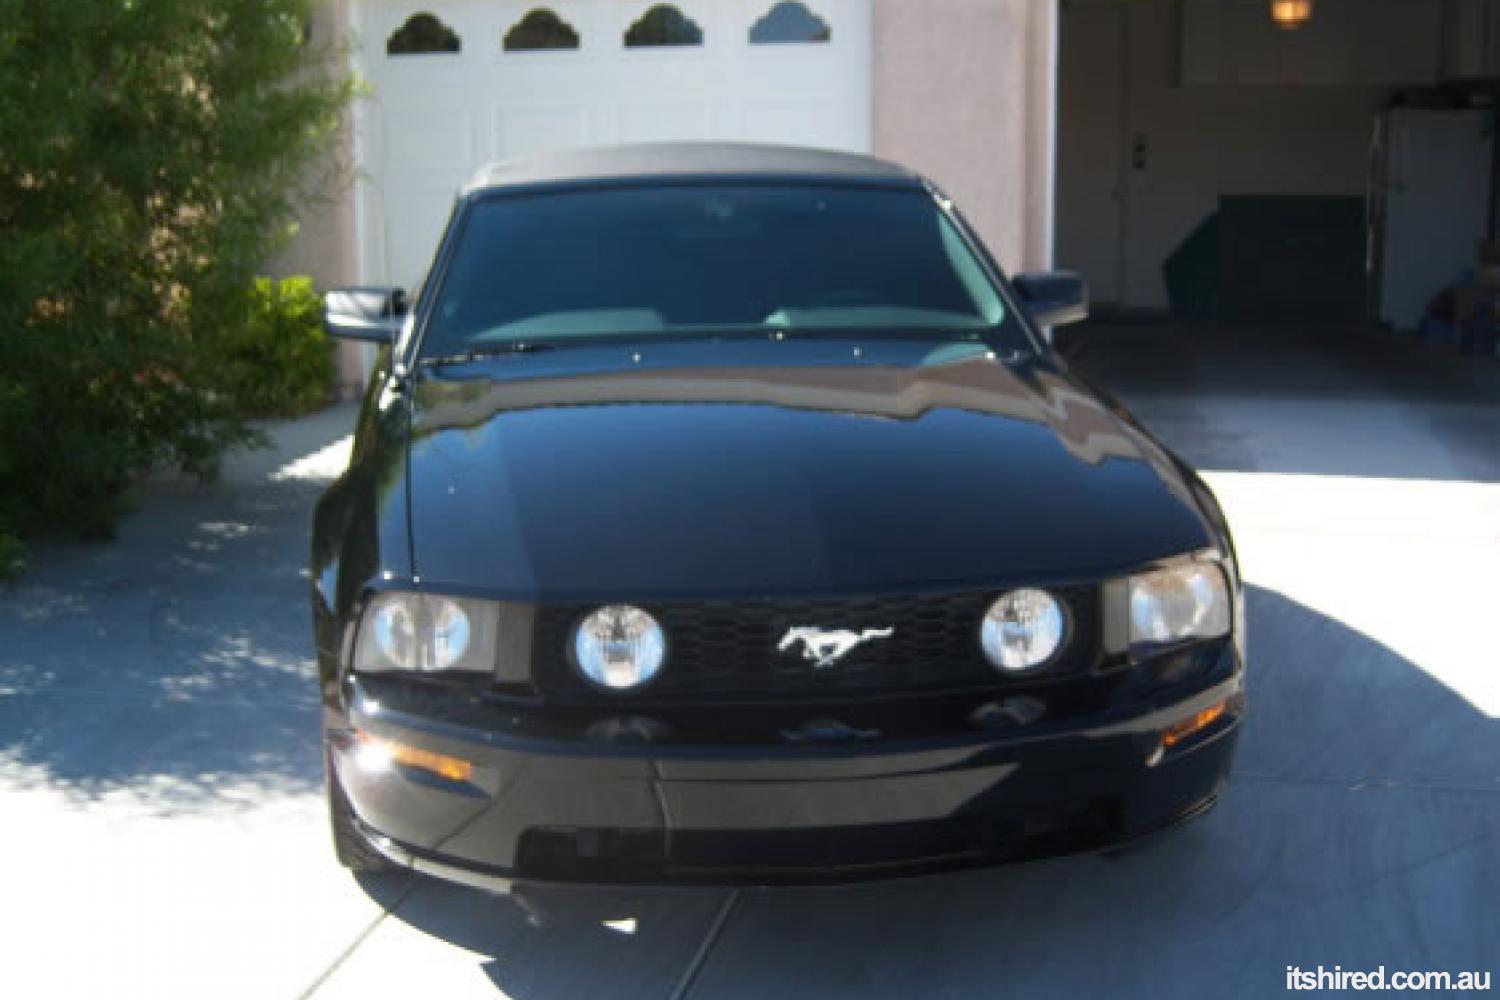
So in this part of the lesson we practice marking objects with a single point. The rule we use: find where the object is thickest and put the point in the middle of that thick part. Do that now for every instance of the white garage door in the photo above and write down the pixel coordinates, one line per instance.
(459, 83)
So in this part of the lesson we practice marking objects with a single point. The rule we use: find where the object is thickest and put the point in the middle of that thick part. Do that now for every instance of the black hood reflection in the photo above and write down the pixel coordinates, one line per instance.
(760, 467)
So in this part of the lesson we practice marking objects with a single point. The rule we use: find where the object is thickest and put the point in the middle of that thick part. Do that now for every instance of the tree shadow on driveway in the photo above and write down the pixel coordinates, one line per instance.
(1360, 830)
(174, 665)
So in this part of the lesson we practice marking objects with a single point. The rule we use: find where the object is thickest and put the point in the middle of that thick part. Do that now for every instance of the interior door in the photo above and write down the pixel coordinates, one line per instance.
(1436, 205)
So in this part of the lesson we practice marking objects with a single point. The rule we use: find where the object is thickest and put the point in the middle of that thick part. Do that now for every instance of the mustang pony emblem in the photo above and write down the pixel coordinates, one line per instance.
(827, 648)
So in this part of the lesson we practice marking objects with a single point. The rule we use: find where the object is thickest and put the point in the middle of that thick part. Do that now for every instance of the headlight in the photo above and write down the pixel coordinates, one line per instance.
(426, 633)
(1023, 630)
(619, 647)
(1179, 603)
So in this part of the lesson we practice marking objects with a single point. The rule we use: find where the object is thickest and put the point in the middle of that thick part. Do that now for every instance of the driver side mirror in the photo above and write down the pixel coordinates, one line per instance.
(1054, 299)
(375, 315)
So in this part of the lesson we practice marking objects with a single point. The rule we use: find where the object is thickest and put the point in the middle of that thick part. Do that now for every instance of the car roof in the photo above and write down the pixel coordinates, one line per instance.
(684, 161)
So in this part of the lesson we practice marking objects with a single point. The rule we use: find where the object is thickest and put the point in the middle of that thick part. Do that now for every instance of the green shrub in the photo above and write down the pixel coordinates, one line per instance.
(278, 363)
(12, 557)
(154, 155)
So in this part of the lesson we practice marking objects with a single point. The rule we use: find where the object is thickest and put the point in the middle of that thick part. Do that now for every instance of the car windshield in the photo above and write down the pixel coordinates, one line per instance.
(688, 260)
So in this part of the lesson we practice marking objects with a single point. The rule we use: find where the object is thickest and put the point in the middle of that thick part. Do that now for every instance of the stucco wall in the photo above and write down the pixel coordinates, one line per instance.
(964, 92)
(326, 244)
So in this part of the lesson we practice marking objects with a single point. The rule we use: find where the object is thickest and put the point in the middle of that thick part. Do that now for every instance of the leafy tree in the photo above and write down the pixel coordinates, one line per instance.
(152, 156)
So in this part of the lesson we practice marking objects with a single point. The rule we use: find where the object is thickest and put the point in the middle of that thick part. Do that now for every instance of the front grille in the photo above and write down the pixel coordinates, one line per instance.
(728, 650)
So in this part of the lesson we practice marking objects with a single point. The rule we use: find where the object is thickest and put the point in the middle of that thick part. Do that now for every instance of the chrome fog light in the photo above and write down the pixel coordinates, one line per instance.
(619, 647)
(1023, 630)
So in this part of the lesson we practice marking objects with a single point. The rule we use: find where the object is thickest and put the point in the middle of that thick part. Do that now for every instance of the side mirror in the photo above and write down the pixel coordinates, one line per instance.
(372, 314)
(1054, 299)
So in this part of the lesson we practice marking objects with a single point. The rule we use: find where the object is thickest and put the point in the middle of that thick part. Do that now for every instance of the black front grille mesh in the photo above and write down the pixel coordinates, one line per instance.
(728, 650)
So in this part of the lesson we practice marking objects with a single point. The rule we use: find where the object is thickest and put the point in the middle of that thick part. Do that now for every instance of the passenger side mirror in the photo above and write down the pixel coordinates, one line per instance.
(1054, 299)
(370, 314)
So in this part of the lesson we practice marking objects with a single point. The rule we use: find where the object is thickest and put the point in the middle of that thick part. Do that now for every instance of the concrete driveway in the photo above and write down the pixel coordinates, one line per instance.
(163, 827)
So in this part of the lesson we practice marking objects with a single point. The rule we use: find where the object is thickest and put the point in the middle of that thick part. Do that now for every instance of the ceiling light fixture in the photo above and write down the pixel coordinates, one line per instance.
(1290, 15)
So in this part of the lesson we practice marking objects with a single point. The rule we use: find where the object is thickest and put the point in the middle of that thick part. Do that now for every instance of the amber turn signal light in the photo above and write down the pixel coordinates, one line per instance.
(442, 765)
(1178, 732)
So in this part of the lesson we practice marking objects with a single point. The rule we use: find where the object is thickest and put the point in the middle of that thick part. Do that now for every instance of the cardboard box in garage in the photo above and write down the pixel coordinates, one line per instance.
(1487, 264)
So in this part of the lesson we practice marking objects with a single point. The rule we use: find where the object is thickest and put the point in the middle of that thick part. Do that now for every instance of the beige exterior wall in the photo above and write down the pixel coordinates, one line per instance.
(964, 93)
(327, 242)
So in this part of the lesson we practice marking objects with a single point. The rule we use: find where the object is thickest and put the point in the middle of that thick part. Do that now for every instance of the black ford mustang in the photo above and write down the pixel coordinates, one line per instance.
(720, 514)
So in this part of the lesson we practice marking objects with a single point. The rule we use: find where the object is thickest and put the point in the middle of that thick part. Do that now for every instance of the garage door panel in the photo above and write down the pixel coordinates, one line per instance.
(414, 217)
(437, 138)
(436, 118)
(795, 124)
(527, 131)
(663, 123)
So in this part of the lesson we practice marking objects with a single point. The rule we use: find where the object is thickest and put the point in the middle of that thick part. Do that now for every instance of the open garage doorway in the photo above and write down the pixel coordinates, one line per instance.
(1337, 167)
(1284, 228)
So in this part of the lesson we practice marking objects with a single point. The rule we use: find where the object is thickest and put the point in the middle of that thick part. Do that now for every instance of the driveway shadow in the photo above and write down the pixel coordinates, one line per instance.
(1361, 829)
(551, 941)
(174, 665)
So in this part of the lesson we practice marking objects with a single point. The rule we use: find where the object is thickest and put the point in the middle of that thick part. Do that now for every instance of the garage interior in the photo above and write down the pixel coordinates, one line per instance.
(1298, 161)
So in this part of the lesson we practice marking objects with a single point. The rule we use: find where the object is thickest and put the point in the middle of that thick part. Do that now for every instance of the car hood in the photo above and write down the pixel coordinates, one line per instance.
(719, 470)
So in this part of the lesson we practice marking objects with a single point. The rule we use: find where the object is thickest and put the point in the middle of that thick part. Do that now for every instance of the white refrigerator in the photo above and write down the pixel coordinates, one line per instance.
(1431, 191)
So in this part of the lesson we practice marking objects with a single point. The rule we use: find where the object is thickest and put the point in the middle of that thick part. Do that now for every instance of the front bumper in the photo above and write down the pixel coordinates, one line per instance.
(630, 810)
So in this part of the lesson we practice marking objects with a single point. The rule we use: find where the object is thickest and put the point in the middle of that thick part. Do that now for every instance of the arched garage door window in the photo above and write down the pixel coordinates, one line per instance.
(663, 24)
(789, 22)
(423, 34)
(539, 30)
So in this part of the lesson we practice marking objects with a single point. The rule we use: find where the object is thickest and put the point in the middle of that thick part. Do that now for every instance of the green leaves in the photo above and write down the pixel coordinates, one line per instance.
(278, 363)
(153, 156)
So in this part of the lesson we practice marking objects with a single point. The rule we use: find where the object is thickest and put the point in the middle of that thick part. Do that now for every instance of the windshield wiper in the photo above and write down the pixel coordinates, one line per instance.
(476, 353)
